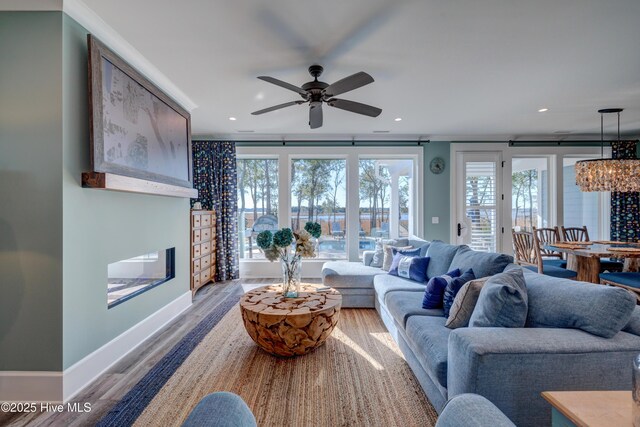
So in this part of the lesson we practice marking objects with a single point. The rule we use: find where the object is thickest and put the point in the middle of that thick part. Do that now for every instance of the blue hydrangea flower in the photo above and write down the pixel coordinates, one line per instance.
(283, 238)
(264, 239)
(313, 228)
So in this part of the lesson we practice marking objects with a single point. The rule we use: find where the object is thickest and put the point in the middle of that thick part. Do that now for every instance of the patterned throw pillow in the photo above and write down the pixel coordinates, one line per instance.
(464, 303)
(434, 292)
(378, 257)
(452, 289)
(410, 267)
(388, 255)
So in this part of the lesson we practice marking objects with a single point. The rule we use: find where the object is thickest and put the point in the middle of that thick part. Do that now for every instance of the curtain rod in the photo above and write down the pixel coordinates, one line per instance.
(330, 143)
(573, 143)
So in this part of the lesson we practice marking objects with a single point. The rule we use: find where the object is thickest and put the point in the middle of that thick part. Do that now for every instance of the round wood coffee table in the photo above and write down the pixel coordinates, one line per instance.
(290, 326)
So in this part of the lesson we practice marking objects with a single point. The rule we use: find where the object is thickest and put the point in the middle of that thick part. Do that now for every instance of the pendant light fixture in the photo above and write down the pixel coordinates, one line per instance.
(622, 175)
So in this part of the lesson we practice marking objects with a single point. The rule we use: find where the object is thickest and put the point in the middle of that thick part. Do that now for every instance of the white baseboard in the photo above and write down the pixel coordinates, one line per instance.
(30, 386)
(46, 386)
(82, 373)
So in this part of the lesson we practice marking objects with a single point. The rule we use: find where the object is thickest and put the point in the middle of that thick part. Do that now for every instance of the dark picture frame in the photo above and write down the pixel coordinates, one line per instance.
(136, 129)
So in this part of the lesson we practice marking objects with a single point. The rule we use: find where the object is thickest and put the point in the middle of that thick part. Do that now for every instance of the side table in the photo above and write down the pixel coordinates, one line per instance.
(590, 408)
(290, 326)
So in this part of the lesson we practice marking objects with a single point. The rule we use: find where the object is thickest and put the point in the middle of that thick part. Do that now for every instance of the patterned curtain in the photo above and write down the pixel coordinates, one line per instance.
(625, 224)
(214, 176)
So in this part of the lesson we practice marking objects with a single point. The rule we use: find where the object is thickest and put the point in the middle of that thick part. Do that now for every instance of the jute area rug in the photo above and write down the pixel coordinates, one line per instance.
(358, 378)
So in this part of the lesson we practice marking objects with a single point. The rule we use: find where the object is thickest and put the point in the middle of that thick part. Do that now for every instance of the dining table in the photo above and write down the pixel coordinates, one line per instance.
(584, 257)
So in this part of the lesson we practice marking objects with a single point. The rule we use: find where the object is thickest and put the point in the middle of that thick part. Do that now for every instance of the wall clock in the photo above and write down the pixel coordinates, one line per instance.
(437, 165)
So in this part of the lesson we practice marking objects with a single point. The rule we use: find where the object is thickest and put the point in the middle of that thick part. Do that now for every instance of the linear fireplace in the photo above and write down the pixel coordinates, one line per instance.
(133, 276)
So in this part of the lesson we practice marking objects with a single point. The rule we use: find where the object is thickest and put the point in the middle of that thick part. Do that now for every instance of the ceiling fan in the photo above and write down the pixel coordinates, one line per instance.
(317, 92)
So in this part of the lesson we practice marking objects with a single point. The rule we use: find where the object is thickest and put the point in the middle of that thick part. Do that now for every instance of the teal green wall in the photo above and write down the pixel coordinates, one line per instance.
(31, 191)
(437, 192)
(101, 227)
(57, 238)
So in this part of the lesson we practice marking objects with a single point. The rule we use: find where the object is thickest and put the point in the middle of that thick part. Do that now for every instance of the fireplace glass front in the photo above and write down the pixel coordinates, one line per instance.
(133, 276)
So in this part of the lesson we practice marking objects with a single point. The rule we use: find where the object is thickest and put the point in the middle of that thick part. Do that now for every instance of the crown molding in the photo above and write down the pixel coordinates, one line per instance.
(90, 20)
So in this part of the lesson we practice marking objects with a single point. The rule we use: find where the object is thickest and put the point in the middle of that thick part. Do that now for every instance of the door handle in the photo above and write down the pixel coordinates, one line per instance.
(459, 229)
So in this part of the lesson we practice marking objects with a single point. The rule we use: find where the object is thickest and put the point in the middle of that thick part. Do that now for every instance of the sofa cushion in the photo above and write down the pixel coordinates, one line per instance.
(384, 283)
(410, 267)
(403, 304)
(378, 256)
(429, 340)
(441, 255)
(453, 288)
(419, 243)
(345, 274)
(434, 292)
(502, 302)
(464, 303)
(389, 253)
(472, 410)
(482, 263)
(633, 325)
(561, 303)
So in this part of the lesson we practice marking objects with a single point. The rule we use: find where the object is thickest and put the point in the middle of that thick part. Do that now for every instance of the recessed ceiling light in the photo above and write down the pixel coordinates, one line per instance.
(245, 131)
(381, 131)
(543, 110)
(233, 119)
(398, 119)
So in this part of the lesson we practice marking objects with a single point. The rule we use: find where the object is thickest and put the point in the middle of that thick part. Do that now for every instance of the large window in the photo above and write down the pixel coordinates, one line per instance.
(535, 187)
(529, 193)
(257, 202)
(385, 198)
(580, 208)
(318, 193)
(356, 194)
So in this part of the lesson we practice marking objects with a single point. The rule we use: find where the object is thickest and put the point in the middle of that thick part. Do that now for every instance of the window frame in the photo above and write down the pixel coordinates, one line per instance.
(556, 156)
(287, 153)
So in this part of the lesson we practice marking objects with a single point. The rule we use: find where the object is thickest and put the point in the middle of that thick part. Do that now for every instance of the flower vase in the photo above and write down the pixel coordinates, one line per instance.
(291, 273)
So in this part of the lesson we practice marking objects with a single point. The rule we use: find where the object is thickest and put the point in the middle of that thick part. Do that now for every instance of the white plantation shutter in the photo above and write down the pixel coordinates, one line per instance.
(480, 204)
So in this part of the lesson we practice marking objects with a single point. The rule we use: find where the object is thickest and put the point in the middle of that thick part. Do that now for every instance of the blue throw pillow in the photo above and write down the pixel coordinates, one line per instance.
(453, 287)
(434, 292)
(407, 252)
(409, 267)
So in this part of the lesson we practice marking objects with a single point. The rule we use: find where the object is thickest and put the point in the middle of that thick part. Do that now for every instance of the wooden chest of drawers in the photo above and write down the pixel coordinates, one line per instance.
(203, 248)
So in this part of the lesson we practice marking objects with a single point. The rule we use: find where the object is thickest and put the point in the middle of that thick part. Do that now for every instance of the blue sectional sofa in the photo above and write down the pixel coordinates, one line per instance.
(578, 336)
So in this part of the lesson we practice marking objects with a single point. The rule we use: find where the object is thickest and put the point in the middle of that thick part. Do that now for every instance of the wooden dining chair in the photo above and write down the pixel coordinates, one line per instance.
(581, 234)
(526, 249)
(547, 236)
(523, 250)
(575, 234)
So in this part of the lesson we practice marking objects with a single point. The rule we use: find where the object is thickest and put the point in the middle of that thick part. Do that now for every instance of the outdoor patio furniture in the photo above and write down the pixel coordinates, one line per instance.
(336, 230)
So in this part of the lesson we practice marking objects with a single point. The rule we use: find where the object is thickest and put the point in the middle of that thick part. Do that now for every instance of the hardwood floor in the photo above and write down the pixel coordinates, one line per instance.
(111, 386)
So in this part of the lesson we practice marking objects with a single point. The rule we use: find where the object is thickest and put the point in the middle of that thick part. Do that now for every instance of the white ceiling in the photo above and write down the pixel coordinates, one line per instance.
(452, 70)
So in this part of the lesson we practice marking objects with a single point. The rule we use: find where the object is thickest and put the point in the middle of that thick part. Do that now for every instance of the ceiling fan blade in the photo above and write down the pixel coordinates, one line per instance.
(352, 82)
(284, 85)
(355, 107)
(277, 107)
(315, 115)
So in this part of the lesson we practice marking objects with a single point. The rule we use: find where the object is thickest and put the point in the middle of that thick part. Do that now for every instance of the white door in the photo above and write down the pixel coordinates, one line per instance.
(477, 222)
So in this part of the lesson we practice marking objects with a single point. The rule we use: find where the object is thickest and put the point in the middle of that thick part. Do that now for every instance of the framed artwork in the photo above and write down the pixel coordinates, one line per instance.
(136, 129)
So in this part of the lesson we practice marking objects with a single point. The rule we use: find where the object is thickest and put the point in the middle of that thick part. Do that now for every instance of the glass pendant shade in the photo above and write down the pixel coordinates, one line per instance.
(621, 175)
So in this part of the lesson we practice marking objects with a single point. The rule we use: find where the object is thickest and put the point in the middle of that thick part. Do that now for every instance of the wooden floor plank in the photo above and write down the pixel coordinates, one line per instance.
(111, 386)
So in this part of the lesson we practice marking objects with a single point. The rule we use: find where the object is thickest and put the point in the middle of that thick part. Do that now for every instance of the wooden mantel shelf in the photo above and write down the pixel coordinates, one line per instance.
(110, 181)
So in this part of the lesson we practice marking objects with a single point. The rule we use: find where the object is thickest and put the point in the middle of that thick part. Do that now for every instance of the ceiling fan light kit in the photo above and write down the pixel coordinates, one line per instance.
(316, 92)
(621, 175)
